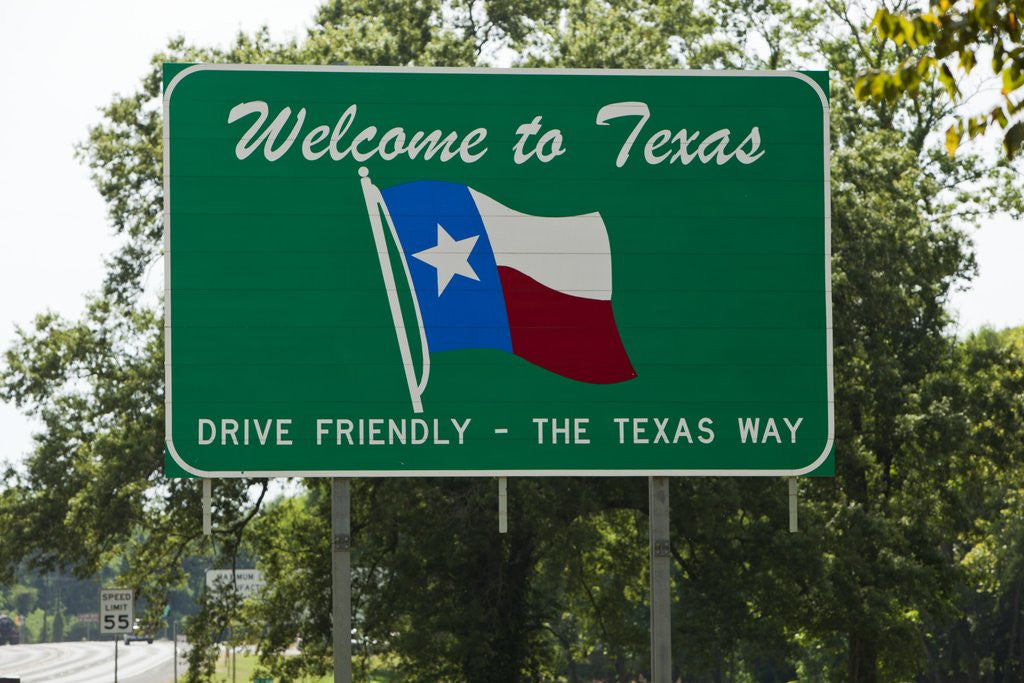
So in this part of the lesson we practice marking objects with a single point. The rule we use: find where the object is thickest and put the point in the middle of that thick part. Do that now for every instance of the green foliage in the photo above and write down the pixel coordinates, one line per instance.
(19, 598)
(625, 35)
(985, 387)
(950, 34)
(399, 30)
(292, 539)
(57, 635)
(33, 627)
(79, 630)
(767, 34)
(96, 386)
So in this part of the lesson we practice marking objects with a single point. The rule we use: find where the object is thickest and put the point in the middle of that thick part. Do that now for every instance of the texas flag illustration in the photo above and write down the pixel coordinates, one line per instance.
(486, 276)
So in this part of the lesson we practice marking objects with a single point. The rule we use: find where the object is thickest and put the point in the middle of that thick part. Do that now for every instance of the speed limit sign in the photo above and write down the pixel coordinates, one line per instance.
(116, 610)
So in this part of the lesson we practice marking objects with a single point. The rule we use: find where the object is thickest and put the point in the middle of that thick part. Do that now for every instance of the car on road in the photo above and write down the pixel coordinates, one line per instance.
(138, 633)
(9, 634)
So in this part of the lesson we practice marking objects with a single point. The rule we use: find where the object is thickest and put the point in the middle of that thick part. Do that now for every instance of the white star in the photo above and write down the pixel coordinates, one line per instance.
(450, 257)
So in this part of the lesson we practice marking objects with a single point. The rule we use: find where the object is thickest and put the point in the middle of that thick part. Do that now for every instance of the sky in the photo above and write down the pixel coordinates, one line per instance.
(67, 59)
(64, 60)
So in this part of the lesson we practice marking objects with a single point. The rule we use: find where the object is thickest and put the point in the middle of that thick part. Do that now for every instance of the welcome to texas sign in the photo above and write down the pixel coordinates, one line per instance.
(384, 272)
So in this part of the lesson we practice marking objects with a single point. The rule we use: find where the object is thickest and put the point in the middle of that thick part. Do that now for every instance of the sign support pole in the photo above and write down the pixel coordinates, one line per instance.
(116, 638)
(341, 578)
(792, 504)
(661, 617)
(502, 505)
(207, 504)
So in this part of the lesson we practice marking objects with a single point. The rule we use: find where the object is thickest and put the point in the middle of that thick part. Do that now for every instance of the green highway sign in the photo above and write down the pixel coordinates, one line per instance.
(415, 271)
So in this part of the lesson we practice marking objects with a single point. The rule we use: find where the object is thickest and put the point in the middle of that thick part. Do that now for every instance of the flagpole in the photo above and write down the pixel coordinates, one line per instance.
(374, 205)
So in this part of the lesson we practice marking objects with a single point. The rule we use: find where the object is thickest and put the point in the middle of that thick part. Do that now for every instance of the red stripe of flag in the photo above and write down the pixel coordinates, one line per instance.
(569, 335)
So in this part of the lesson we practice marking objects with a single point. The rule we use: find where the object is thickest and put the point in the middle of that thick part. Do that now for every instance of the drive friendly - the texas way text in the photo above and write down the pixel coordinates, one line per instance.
(454, 431)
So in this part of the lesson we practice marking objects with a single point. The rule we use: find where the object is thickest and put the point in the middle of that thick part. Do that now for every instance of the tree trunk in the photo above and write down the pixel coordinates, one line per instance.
(862, 659)
(504, 576)
(1013, 667)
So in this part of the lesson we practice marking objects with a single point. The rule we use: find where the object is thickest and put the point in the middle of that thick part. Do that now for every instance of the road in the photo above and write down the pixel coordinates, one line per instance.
(89, 662)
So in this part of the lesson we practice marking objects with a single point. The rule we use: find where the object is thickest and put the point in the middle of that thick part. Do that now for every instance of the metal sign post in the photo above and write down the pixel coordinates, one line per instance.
(117, 614)
(661, 599)
(502, 505)
(341, 579)
(792, 504)
(207, 505)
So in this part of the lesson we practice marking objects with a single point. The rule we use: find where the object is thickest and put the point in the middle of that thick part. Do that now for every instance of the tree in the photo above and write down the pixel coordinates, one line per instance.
(23, 599)
(58, 624)
(952, 34)
(980, 393)
(898, 249)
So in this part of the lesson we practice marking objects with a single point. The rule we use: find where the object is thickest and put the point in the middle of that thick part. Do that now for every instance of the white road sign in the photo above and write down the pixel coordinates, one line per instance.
(247, 582)
(117, 607)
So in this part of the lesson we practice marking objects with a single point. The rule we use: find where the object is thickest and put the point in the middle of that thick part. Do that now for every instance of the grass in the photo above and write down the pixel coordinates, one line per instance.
(247, 664)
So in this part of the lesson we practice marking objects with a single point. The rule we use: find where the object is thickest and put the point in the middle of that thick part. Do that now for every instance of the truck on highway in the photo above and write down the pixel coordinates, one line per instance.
(9, 634)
